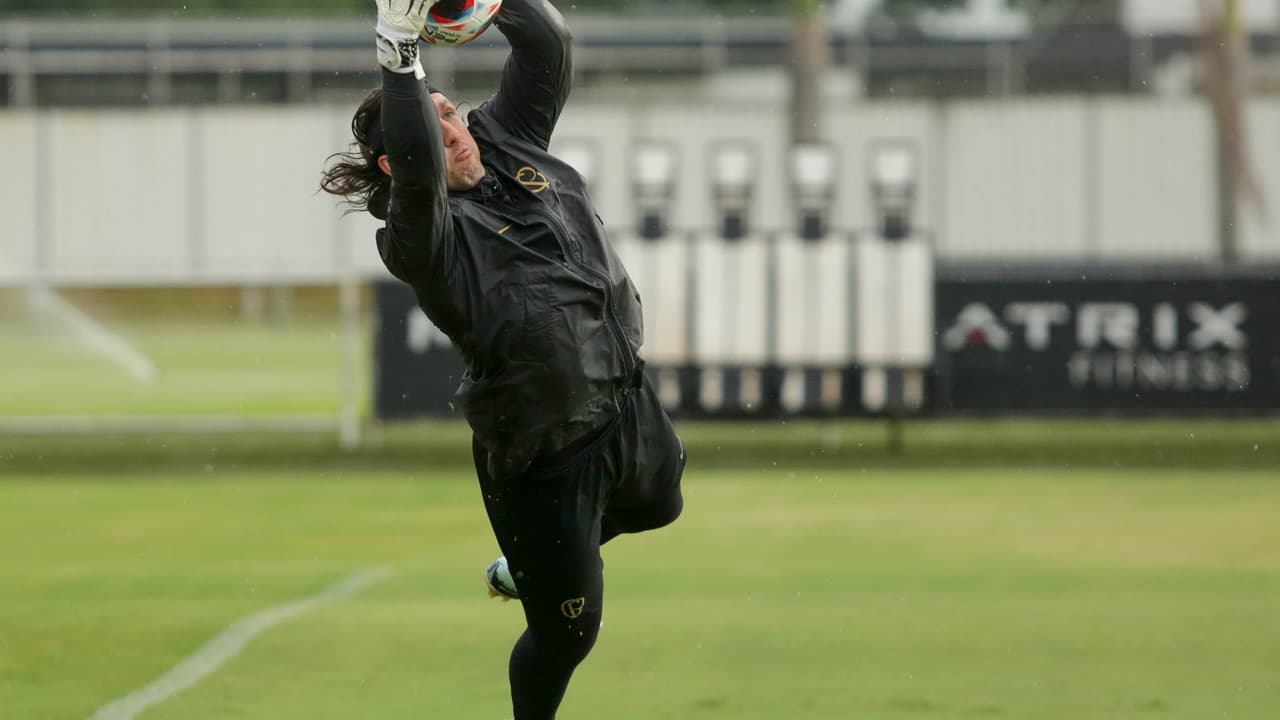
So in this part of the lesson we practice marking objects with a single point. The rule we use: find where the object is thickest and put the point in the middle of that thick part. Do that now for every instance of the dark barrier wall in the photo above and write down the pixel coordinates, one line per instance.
(417, 371)
(1089, 339)
(1010, 340)
(415, 368)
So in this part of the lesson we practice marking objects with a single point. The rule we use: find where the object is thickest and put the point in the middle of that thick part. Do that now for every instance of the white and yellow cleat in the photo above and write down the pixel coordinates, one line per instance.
(497, 577)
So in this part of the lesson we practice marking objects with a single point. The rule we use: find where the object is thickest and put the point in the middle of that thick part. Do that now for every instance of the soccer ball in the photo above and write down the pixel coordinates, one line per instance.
(458, 22)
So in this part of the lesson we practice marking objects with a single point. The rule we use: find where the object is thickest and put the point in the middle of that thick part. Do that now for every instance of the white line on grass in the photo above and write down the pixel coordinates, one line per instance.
(96, 335)
(228, 644)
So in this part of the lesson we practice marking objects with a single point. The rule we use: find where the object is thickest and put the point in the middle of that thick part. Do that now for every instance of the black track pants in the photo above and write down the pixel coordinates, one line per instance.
(550, 523)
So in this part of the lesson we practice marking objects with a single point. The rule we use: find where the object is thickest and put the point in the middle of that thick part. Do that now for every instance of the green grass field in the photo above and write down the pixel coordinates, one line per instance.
(207, 360)
(786, 593)
(1014, 569)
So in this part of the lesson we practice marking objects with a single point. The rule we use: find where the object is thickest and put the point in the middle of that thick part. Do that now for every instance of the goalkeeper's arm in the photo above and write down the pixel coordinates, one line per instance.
(538, 74)
(419, 230)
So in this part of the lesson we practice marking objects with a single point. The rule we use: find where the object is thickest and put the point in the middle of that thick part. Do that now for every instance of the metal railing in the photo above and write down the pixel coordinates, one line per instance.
(305, 59)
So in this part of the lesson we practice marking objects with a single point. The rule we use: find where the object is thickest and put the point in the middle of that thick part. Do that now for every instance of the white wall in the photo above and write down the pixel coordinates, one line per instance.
(230, 194)
(17, 195)
(119, 201)
(1260, 236)
(143, 197)
(1156, 175)
(1015, 181)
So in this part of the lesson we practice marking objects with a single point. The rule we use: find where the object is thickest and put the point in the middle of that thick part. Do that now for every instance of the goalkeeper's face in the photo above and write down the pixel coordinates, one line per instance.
(462, 155)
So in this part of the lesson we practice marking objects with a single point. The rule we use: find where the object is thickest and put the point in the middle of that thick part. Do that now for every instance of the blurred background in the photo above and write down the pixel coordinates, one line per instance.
(967, 310)
(811, 197)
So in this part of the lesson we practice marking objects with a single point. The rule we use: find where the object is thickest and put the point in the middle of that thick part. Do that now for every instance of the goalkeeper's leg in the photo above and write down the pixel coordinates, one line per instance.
(548, 526)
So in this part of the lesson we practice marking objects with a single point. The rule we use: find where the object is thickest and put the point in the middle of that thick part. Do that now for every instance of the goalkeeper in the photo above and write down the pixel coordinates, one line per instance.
(506, 255)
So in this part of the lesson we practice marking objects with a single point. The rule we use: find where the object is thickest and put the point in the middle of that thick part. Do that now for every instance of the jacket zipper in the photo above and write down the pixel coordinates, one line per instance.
(611, 319)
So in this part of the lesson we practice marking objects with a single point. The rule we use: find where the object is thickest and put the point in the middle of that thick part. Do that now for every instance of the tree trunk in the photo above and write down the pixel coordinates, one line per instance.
(808, 59)
(1222, 50)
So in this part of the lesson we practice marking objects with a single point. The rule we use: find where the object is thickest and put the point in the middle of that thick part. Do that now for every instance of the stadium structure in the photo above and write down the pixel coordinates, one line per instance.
(996, 219)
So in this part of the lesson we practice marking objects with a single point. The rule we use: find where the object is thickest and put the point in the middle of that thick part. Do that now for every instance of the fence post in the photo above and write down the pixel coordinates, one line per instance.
(349, 430)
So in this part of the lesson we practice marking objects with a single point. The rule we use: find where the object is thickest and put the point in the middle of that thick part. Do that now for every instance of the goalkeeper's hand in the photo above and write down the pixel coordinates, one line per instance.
(400, 24)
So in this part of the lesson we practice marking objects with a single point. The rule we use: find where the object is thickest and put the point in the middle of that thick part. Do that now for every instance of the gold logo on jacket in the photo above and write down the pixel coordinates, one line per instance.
(573, 608)
(532, 179)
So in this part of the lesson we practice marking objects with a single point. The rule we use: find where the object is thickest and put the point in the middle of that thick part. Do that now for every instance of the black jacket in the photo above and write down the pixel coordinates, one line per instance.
(517, 272)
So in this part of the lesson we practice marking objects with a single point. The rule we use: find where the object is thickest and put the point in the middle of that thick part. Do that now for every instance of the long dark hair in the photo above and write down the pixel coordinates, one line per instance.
(355, 175)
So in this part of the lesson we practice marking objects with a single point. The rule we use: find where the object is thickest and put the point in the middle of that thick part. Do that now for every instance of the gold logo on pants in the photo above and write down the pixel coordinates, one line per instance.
(573, 608)
(532, 179)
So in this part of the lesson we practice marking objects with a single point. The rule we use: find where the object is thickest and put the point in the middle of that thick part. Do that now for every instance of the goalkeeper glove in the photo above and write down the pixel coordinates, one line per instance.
(400, 24)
